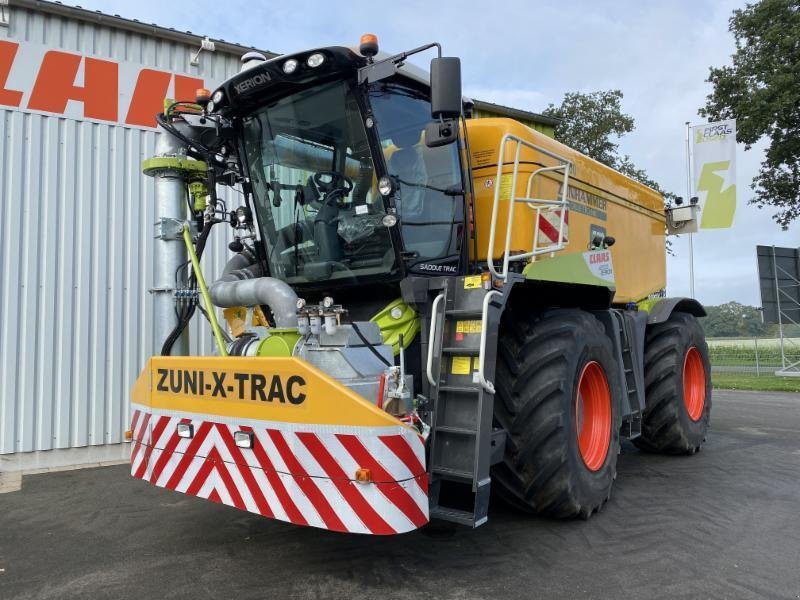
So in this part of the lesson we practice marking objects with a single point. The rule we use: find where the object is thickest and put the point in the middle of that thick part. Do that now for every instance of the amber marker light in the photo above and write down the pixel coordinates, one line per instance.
(202, 96)
(368, 46)
(363, 475)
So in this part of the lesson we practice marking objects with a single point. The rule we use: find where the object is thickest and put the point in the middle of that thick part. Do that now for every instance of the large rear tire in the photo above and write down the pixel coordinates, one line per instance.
(558, 399)
(677, 377)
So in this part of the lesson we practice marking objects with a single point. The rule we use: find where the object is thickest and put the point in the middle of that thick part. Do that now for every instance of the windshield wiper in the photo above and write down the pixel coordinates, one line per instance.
(453, 190)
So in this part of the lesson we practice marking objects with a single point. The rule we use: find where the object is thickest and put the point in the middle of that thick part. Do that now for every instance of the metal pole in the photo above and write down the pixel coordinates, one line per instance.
(755, 343)
(778, 301)
(688, 200)
(170, 253)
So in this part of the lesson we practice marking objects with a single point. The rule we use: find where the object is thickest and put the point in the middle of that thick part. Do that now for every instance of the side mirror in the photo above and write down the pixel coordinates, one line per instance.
(441, 133)
(446, 87)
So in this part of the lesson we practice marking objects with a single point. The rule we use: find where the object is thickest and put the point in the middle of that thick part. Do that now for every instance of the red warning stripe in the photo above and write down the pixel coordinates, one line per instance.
(166, 454)
(289, 507)
(306, 483)
(139, 439)
(393, 491)
(403, 451)
(155, 435)
(365, 512)
(249, 479)
(548, 229)
(211, 465)
(191, 451)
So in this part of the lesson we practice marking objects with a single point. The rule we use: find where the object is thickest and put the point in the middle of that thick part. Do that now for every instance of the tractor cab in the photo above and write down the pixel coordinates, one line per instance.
(351, 178)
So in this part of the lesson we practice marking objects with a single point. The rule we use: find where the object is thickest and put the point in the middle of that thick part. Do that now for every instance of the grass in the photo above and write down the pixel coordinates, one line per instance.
(749, 381)
(742, 352)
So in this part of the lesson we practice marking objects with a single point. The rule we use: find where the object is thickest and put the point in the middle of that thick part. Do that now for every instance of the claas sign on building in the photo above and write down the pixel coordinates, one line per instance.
(35, 78)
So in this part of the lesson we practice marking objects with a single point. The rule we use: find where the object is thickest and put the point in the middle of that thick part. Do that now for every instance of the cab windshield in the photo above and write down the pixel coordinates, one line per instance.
(315, 189)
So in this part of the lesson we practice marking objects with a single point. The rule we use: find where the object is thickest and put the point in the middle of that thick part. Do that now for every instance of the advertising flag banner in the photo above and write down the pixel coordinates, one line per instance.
(714, 162)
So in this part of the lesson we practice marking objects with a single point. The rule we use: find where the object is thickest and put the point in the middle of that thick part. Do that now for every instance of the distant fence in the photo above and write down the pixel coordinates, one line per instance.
(761, 356)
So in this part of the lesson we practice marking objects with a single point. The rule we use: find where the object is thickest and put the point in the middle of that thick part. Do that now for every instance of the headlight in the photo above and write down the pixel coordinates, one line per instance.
(389, 221)
(315, 59)
(290, 66)
(243, 439)
(210, 106)
(217, 97)
(385, 186)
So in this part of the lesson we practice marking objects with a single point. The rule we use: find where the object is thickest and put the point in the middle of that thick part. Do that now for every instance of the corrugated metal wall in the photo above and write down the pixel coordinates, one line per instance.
(76, 257)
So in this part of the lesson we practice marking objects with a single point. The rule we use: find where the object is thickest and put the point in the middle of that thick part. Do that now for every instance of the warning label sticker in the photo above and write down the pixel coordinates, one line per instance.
(505, 186)
(468, 326)
(472, 282)
(460, 365)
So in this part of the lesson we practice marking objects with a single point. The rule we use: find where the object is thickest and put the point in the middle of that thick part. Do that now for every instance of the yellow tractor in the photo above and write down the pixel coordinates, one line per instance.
(421, 308)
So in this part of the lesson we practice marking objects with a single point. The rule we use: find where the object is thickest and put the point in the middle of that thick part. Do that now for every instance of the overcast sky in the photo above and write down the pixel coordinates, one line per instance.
(527, 54)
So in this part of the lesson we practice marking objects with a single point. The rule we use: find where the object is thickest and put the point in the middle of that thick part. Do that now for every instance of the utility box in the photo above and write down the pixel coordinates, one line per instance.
(682, 219)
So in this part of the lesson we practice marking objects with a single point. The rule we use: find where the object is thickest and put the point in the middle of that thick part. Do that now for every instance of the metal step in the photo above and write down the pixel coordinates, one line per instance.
(454, 515)
(459, 389)
(452, 474)
(463, 312)
(631, 427)
(458, 430)
(461, 351)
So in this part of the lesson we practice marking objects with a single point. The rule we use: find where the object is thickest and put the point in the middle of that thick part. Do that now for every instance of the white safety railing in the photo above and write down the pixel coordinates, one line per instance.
(487, 385)
(540, 207)
(433, 342)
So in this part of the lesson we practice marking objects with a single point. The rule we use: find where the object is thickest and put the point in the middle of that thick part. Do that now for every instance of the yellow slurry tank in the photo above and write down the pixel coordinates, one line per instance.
(602, 203)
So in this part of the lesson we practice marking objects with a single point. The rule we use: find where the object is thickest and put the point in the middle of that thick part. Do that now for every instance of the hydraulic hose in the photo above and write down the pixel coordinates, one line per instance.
(372, 349)
(188, 312)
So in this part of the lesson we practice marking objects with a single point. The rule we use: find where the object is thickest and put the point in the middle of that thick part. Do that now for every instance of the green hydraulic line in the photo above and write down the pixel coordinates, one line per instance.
(212, 316)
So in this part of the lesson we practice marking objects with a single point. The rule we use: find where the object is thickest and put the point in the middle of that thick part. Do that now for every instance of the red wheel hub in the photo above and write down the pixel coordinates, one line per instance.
(694, 383)
(593, 415)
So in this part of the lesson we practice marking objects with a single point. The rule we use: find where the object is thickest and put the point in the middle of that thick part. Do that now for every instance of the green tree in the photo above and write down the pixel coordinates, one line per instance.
(591, 123)
(733, 320)
(761, 90)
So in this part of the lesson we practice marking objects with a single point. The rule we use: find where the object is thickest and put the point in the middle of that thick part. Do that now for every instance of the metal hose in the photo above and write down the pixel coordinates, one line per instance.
(242, 284)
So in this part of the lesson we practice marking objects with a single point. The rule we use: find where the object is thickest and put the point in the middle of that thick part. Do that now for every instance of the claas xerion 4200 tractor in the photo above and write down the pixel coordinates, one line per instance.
(420, 306)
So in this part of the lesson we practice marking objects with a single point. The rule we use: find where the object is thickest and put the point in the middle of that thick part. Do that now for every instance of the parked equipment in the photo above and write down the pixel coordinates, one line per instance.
(421, 307)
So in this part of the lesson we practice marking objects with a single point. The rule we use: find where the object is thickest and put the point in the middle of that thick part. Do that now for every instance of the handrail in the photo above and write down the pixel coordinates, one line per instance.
(487, 385)
(431, 336)
(535, 204)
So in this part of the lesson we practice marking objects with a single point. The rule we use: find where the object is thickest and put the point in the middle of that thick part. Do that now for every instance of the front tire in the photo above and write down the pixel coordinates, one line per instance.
(557, 397)
(677, 377)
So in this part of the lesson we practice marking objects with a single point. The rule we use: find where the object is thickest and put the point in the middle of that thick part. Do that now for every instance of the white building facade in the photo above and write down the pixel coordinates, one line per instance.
(78, 95)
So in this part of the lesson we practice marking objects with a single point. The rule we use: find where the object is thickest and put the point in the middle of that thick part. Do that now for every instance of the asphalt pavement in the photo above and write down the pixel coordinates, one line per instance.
(724, 523)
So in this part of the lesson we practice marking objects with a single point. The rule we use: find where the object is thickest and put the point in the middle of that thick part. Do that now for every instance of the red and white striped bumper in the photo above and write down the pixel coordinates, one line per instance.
(296, 472)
